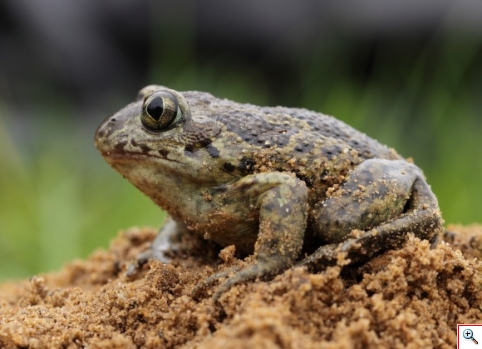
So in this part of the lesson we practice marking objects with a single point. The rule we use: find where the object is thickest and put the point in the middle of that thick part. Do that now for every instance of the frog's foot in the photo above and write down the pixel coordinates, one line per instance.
(390, 235)
(261, 269)
(423, 223)
(167, 241)
(196, 292)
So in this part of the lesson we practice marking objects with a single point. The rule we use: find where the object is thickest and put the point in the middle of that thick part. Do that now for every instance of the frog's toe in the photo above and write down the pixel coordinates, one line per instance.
(201, 286)
(323, 257)
(250, 273)
(141, 259)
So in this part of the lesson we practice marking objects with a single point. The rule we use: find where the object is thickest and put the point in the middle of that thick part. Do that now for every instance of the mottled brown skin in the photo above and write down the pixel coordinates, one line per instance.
(267, 180)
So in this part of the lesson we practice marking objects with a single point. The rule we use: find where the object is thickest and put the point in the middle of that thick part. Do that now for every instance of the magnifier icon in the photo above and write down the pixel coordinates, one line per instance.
(468, 334)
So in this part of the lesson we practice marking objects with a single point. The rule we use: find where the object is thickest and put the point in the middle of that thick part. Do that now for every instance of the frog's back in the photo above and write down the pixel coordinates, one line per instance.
(327, 127)
(293, 131)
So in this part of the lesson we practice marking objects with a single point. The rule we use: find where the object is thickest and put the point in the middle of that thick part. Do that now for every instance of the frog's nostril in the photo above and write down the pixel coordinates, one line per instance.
(113, 120)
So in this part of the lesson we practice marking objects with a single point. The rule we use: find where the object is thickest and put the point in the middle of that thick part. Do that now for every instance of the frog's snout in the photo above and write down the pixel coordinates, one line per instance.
(105, 132)
(101, 131)
(102, 134)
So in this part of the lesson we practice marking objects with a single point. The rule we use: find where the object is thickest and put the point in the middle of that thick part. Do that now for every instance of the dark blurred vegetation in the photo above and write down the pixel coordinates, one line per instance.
(407, 74)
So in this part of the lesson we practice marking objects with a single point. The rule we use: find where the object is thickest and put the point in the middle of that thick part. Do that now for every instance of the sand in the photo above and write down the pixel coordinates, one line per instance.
(409, 298)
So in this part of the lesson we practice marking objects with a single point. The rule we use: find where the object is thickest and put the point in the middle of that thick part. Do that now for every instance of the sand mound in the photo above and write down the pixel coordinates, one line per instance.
(410, 298)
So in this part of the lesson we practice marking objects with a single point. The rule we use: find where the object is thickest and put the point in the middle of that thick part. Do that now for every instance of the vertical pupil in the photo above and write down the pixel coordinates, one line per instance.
(155, 108)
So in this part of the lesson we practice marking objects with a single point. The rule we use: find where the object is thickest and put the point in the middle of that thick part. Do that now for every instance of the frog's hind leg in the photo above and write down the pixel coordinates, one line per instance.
(386, 236)
(384, 201)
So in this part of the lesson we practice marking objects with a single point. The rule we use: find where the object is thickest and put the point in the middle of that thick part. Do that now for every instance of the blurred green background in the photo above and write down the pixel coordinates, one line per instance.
(405, 74)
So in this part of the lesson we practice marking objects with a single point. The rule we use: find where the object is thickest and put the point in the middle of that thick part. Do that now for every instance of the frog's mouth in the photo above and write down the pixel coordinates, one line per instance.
(117, 156)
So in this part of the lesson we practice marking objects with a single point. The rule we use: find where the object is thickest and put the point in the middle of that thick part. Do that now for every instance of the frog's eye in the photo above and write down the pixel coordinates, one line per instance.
(161, 112)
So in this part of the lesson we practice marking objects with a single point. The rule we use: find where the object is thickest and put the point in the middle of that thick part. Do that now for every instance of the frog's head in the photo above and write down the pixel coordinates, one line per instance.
(155, 140)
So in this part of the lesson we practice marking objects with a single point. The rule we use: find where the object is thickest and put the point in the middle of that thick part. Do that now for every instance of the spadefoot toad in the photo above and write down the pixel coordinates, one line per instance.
(269, 180)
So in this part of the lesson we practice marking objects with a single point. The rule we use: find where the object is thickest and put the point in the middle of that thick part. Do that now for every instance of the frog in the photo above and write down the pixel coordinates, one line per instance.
(286, 186)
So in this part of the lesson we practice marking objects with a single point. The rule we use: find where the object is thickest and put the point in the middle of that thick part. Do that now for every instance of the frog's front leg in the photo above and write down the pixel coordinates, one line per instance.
(282, 202)
(378, 205)
(167, 241)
